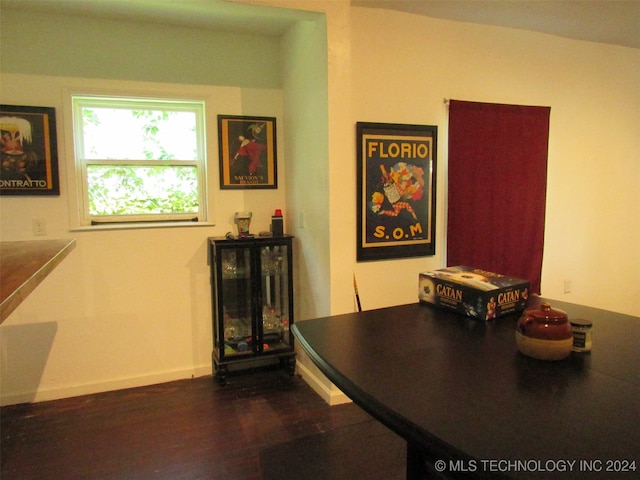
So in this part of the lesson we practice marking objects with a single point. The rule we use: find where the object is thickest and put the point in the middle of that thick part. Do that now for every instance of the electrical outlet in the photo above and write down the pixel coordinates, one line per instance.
(39, 226)
(567, 286)
(301, 219)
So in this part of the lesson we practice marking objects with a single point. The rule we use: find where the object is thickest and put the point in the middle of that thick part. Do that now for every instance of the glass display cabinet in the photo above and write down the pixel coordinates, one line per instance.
(252, 303)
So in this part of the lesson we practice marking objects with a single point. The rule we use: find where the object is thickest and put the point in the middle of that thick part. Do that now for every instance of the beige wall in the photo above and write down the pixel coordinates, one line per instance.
(403, 66)
(132, 307)
(126, 307)
(387, 66)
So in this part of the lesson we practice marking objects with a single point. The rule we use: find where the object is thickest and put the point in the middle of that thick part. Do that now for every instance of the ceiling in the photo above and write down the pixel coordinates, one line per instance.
(608, 21)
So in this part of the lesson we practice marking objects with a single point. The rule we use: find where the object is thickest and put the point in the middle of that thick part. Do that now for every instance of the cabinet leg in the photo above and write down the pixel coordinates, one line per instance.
(221, 375)
(291, 365)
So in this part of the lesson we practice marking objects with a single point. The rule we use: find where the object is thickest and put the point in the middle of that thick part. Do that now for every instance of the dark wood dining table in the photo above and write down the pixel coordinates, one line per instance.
(470, 405)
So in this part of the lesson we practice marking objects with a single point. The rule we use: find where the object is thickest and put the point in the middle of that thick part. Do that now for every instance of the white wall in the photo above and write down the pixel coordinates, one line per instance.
(387, 66)
(402, 68)
(132, 307)
(315, 77)
(126, 307)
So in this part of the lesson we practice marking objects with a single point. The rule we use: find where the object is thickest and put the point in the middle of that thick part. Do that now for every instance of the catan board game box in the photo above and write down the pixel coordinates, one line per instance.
(473, 292)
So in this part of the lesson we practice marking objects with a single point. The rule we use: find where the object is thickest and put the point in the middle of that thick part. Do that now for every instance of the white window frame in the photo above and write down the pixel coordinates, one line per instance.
(85, 219)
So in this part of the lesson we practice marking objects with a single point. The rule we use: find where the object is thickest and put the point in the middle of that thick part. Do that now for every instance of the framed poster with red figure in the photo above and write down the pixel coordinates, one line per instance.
(248, 156)
(29, 151)
(396, 191)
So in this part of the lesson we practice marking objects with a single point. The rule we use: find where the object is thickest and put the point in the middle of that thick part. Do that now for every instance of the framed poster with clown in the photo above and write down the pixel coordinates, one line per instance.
(396, 171)
(29, 151)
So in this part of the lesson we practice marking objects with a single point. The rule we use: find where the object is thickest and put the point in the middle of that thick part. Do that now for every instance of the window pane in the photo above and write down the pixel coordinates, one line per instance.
(136, 190)
(138, 134)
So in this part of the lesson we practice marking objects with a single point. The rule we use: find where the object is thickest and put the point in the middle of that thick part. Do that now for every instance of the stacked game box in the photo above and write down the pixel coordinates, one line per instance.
(473, 292)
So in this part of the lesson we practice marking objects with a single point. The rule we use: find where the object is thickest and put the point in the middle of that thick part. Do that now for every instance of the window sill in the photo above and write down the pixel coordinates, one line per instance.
(140, 226)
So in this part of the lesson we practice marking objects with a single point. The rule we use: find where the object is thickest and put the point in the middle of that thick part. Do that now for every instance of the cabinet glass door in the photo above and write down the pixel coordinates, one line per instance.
(236, 326)
(274, 321)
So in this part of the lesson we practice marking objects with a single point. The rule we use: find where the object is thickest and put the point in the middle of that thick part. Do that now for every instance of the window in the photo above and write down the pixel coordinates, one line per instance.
(139, 160)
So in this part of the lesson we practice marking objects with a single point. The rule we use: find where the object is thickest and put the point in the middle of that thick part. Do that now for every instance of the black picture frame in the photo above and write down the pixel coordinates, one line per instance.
(248, 152)
(396, 190)
(29, 151)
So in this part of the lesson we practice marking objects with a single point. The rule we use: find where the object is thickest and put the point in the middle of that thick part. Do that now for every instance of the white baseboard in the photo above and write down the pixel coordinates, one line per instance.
(106, 386)
(332, 395)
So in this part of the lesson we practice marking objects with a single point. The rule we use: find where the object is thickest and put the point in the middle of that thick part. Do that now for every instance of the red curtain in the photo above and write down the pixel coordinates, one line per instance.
(497, 187)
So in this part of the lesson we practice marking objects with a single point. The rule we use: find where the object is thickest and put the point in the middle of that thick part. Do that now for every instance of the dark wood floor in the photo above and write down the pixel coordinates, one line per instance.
(263, 425)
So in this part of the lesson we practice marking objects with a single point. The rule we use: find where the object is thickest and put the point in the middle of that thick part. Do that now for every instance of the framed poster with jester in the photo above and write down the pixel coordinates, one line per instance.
(396, 190)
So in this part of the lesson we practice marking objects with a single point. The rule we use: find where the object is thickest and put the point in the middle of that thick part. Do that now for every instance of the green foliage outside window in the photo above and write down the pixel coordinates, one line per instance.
(140, 161)
(122, 190)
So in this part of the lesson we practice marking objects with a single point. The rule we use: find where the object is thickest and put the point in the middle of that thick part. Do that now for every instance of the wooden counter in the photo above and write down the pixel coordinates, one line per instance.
(23, 265)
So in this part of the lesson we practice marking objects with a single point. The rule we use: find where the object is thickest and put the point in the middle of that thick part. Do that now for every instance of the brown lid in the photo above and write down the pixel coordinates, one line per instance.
(545, 312)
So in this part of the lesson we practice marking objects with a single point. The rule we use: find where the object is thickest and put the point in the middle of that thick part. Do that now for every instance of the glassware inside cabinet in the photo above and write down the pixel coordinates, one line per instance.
(235, 263)
(236, 301)
(275, 297)
(237, 336)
